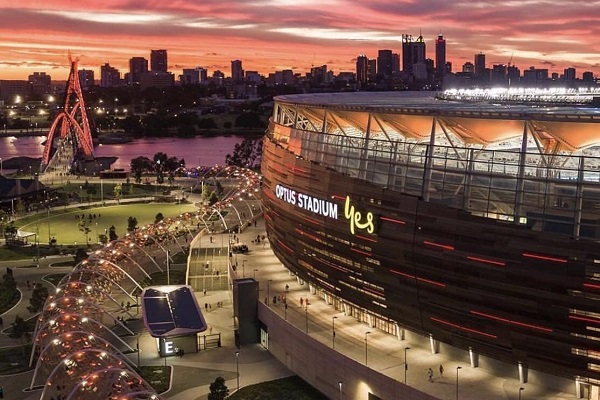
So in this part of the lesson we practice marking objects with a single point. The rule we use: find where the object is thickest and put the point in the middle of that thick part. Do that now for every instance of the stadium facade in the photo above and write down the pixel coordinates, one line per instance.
(473, 223)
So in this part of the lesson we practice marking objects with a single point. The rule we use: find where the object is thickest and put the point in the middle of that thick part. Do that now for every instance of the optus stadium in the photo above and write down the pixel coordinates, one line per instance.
(473, 223)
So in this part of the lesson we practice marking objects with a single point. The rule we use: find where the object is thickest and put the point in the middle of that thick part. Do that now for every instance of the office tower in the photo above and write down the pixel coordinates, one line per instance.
(395, 63)
(569, 74)
(237, 73)
(190, 76)
(109, 76)
(253, 77)
(479, 64)
(440, 56)
(40, 83)
(384, 63)
(513, 74)
(372, 70)
(318, 75)
(362, 65)
(86, 78)
(413, 57)
(158, 61)
(468, 68)
(499, 73)
(587, 76)
(137, 67)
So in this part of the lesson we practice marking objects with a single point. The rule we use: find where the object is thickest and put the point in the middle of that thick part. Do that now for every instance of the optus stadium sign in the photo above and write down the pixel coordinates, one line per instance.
(327, 208)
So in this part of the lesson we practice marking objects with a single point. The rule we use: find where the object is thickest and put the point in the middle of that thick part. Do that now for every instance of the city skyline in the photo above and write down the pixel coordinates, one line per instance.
(269, 35)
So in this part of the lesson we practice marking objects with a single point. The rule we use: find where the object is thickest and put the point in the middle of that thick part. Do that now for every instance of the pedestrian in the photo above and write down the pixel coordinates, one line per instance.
(205, 306)
(210, 330)
(441, 371)
(430, 374)
(301, 302)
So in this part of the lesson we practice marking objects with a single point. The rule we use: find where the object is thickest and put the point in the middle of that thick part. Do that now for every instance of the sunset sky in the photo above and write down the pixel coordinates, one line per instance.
(269, 35)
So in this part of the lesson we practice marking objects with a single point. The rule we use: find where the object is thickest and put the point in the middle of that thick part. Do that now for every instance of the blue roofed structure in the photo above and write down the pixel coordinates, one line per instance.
(171, 311)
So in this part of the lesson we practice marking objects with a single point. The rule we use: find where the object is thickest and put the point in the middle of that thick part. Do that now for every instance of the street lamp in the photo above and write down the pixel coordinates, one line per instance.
(457, 369)
(366, 353)
(333, 329)
(255, 269)
(243, 268)
(405, 364)
(520, 390)
(340, 383)
(237, 368)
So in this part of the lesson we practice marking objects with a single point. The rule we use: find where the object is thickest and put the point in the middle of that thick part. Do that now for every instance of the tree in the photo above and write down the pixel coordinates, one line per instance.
(80, 255)
(84, 226)
(159, 217)
(249, 120)
(20, 329)
(138, 166)
(246, 154)
(38, 298)
(218, 389)
(112, 234)
(117, 191)
(132, 224)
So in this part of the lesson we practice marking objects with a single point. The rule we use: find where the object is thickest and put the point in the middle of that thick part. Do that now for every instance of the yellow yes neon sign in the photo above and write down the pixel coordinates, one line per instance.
(356, 218)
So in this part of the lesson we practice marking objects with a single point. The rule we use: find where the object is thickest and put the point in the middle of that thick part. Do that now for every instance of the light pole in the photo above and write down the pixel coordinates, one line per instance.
(168, 272)
(520, 390)
(237, 368)
(340, 383)
(457, 369)
(255, 269)
(268, 293)
(243, 268)
(333, 330)
(366, 347)
(405, 364)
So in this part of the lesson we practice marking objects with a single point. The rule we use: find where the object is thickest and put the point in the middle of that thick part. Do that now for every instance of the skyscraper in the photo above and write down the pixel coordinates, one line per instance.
(384, 63)
(137, 67)
(440, 56)
(109, 76)
(362, 65)
(86, 78)
(413, 57)
(237, 73)
(479, 64)
(158, 61)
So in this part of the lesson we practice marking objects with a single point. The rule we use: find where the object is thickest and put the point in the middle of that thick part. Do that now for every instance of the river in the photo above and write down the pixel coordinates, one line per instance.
(195, 151)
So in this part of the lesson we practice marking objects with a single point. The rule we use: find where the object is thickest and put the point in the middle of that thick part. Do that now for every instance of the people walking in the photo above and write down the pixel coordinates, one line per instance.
(430, 374)
(441, 371)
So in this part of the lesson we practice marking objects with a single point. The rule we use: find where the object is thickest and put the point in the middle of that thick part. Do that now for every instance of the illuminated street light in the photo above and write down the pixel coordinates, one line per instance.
(333, 330)
(237, 368)
(405, 364)
(457, 369)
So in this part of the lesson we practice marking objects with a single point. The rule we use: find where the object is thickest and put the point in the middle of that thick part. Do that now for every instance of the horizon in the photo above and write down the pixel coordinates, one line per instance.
(271, 35)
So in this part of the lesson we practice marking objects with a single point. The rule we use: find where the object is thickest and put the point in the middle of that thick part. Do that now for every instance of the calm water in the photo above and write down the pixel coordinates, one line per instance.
(195, 151)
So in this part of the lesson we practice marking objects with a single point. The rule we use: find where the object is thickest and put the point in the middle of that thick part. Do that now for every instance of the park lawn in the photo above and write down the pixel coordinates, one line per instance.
(63, 225)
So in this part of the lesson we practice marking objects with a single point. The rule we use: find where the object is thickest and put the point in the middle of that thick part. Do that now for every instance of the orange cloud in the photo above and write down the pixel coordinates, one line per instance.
(269, 35)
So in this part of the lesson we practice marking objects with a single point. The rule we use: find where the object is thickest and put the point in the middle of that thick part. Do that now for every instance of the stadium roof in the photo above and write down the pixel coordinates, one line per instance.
(410, 115)
(171, 311)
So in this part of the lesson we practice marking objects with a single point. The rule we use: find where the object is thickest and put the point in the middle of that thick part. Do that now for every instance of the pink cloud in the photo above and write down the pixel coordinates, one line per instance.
(273, 34)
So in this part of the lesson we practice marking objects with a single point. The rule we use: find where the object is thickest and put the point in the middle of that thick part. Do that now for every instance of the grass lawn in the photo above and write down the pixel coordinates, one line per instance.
(292, 388)
(14, 360)
(63, 224)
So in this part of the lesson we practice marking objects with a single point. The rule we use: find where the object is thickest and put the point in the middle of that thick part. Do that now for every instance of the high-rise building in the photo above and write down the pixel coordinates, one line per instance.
(413, 57)
(479, 62)
(372, 70)
(40, 83)
(569, 74)
(384, 63)
(587, 76)
(109, 76)
(190, 76)
(137, 67)
(362, 65)
(237, 73)
(440, 56)
(158, 61)
(86, 78)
